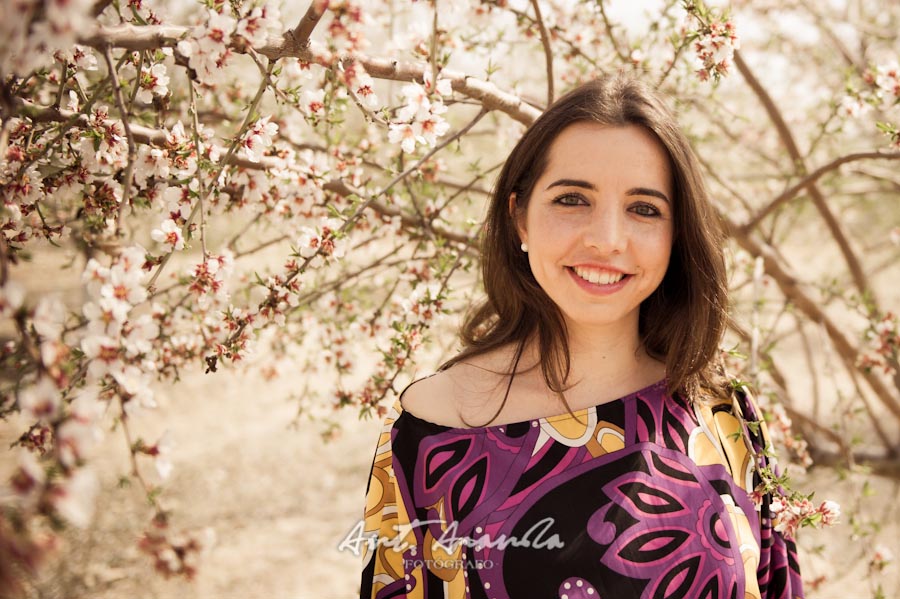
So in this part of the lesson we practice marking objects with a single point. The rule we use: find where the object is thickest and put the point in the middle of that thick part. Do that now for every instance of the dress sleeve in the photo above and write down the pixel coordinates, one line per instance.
(386, 523)
(779, 571)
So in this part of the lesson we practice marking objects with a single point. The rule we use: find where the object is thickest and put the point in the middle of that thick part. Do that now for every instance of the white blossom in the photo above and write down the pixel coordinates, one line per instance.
(41, 400)
(75, 497)
(154, 81)
(163, 458)
(49, 317)
(313, 102)
(12, 296)
(170, 234)
(258, 138)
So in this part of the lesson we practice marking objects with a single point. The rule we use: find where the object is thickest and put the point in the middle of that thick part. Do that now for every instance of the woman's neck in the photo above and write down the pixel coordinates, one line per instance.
(606, 360)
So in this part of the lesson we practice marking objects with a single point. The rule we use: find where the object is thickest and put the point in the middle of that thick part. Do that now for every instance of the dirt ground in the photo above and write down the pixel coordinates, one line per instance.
(280, 500)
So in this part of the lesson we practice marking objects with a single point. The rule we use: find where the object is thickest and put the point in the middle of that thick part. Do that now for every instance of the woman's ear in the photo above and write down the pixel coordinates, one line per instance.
(518, 218)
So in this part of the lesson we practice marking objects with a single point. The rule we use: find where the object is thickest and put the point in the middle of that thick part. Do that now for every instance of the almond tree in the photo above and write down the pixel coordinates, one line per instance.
(169, 147)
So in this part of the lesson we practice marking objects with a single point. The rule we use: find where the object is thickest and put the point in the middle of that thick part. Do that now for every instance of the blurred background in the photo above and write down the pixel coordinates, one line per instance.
(260, 464)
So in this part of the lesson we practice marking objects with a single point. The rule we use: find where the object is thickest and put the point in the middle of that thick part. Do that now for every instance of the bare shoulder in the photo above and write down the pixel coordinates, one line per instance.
(443, 396)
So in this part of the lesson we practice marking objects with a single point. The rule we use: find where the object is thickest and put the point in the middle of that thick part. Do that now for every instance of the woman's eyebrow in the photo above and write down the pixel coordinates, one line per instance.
(572, 183)
(647, 191)
(634, 191)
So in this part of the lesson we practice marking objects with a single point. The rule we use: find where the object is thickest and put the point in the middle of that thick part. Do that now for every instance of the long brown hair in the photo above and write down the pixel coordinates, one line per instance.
(680, 323)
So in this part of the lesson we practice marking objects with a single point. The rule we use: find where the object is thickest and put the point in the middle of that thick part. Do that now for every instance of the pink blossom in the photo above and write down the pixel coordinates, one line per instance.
(431, 128)
(28, 480)
(176, 136)
(75, 437)
(881, 557)
(853, 107)
(135, 384)
(139, 335)
(364, 88)
(151, 163)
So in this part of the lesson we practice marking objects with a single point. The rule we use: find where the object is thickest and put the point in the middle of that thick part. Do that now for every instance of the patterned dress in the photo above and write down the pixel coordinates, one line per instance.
(642, 497)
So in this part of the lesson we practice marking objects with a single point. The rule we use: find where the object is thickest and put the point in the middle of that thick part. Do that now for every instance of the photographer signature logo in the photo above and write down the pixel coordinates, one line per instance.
(536, 537)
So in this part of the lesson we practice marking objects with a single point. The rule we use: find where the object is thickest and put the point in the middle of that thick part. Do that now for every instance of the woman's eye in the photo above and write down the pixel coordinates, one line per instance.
(569, 200)
(646, 210)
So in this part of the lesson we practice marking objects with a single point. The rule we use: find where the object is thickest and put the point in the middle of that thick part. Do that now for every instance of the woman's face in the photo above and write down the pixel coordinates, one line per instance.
(599, 223)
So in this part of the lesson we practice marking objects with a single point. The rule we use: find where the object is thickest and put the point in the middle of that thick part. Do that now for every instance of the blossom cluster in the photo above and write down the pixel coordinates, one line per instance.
(882, 345)
(175, 554)
(208, 279)
(419, 121)
(423, 305)
(345, 30)
(208, 47)
(32, 31)
(788, 515)
(881, 93)
(714, 47)
(117, 342)
(322, 243)
(258, 138)
(781, 429)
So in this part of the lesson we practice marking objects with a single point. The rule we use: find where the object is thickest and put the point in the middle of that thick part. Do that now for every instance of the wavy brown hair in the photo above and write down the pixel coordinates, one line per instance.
(681, 323)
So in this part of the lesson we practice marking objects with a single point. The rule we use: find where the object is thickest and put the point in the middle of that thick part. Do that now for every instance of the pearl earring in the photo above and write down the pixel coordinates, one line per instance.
(524, 247)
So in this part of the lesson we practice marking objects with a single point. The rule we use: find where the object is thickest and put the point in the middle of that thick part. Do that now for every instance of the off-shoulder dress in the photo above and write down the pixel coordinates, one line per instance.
(642, 497)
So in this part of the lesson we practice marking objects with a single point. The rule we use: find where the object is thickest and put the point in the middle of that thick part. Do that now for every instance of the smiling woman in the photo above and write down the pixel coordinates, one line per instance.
(599, 227)
(612, 458)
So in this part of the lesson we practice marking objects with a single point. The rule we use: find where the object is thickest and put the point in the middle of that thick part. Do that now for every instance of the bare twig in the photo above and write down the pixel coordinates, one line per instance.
(196, 135)
(809, 180)
(548, 52)
(132, 148)
(301, 33)
(790, 287)
(784, 132)
(609, 32)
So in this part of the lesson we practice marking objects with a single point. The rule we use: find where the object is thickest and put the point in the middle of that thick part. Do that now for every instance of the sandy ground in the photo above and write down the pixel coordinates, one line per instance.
(279, 500)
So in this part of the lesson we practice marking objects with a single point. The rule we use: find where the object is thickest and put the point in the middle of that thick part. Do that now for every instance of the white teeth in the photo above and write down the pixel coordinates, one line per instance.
(599, 277)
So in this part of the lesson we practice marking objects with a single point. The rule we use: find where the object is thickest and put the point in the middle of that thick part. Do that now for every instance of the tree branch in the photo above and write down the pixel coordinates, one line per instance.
(548, 52)
(301, 33)
(148, 37)
(609, 32)
(791, 289)
(132, 149)
(809, 180)
(787, 138)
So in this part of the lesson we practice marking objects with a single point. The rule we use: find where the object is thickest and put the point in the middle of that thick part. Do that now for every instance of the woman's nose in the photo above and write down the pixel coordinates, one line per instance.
(605, 231)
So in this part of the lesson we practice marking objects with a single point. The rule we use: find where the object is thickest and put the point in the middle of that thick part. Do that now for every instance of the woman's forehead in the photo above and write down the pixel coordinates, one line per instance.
(594, 153)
